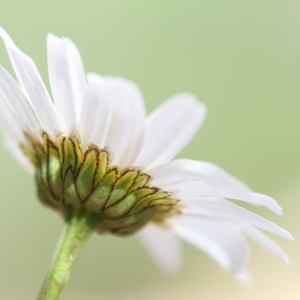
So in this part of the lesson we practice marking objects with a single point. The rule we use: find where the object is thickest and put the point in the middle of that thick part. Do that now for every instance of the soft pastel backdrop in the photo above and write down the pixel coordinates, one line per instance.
(242, 59)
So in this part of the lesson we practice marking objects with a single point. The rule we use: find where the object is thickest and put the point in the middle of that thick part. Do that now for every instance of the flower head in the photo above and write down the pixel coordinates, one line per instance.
(94, 148)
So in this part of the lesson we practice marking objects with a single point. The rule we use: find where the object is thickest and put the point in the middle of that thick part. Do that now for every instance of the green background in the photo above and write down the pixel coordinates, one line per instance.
(242, 59)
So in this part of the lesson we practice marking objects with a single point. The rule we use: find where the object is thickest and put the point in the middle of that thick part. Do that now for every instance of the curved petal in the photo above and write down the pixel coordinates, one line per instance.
(125, 132)
(170, 128)
(96, 112)
(67, 80)
(195, 189)
(221, 240)
(225, 210)
(30, 79)
(23, 110)
(163, 246)
(203, 179)
(266, 242)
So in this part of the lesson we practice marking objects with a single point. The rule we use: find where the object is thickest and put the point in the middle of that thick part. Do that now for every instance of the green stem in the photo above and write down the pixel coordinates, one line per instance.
(78, 228)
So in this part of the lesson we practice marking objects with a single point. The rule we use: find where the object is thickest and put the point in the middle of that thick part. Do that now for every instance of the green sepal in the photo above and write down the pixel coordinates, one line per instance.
(98, 198)
(54, 172)
(60, 147)
(70, 195)
(159, 213)
(121, 208)
(43, 166)
(122, 231)
(46, 197)
(45, 143)
(162, 209)
(77, 152)
(140, 205)
(162, 202)
(121, 187)
(69, 159)
(140, 182)
(85, 177)
(102, 167)
(128, 220)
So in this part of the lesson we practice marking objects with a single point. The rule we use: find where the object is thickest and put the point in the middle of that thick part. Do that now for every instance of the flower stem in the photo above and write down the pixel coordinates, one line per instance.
(78, 228)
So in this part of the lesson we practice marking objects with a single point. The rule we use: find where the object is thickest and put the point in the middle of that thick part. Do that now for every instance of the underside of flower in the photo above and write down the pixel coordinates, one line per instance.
(69, 174)
(87, 145)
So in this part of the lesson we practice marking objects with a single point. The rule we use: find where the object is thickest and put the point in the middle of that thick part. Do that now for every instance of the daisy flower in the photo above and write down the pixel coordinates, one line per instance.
(107, 167)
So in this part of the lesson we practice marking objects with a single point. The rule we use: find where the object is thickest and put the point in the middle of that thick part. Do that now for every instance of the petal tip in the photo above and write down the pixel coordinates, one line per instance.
(6, 38)
(244, 278)
(286, 261)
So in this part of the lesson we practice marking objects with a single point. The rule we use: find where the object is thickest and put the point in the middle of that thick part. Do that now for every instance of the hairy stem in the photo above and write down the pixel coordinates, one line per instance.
(78, 228)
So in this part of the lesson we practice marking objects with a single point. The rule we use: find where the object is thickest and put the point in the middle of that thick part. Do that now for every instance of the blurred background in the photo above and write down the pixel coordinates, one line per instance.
(242, 59)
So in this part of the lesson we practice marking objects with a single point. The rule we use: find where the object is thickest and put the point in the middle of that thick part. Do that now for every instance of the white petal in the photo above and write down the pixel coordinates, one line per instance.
(125, 132)
(96, 112)
(9, 124)
(12, 134)
(22, 108)
(30, 79)
(67, 80)
(225, 210)
(266, 242)
(203, 179)
(170, 128)
(14, 149)
(196, 189)
(244, 278)
(163, 246)
(221, 240)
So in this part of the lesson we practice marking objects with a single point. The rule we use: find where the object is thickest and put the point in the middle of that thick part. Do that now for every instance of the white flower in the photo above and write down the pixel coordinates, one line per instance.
(109, 112)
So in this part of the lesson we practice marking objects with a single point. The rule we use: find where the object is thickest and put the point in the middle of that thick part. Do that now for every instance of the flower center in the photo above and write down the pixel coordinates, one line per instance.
(68, 174)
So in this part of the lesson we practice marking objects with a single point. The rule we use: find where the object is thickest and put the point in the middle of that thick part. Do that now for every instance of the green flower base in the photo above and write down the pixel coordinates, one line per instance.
(67, 174)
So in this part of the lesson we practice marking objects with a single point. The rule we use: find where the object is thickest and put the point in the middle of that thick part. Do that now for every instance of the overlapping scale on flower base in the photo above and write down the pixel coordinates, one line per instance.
(66, 175)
